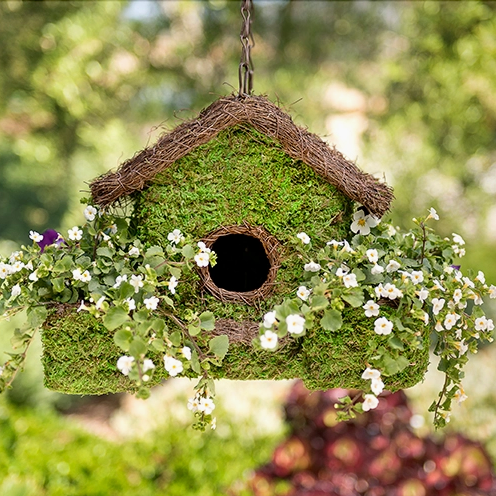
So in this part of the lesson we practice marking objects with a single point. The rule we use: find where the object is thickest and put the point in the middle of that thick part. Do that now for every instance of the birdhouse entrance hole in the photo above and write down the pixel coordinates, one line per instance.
(242, 264)
(247, 263)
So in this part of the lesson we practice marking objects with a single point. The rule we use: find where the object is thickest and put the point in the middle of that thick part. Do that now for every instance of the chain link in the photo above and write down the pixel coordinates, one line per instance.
(247, 42)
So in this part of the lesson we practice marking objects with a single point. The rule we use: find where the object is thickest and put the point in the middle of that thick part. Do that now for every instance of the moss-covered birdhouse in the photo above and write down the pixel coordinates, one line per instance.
(243, 179)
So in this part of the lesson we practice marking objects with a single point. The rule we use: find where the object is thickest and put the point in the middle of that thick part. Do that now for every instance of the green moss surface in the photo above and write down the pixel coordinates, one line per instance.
(80, 358)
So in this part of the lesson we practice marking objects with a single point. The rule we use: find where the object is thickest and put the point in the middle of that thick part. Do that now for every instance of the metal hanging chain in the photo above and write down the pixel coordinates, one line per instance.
(246, 65)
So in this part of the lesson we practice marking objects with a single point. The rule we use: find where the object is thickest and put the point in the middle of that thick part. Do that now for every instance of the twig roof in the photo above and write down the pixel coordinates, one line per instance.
(265, 117)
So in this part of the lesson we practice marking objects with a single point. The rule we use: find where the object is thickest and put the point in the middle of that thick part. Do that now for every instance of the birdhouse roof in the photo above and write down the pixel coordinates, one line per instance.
(256, 111)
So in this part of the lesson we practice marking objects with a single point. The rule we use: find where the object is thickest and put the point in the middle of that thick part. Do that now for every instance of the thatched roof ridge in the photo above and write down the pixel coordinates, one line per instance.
(265, 117)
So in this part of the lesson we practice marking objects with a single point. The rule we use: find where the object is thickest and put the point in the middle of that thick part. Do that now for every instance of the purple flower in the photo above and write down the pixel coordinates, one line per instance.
(50, 237)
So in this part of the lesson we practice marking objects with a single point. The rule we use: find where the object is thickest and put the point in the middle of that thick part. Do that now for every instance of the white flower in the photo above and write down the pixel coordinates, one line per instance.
(125, 363)
(460, 395)
(423, 294)
(369, 374)
(458, 239)
(119, 280)
(1, 370)
(175, 236)
(439, 327)
(172, 284)
(85, 276)
(36, 237)
(438, 285)
(342, 271)
(377, 269)
(457, 295)
(15, 256)
(379, 291)
(172, 365)
(371, 309)
(16, 267)
(377, 386)
(312, 267)
(392, 292)
(151, 303)
(193, 404)
(269, 340)
(33, 276)
(350, 281)
(269, 319)
(450, 320)
(148, 365)
(335, 244)
(5, 270)
(202, 259)
(15, 291)
(203, 247)
(362, 223)
(295, 323)
(82, 306)
(490, 324)
(417, 276)
(303, 293)
(213, 424)
(432, 214)
(458, 251)
(481, 277)
(468, 282)
(131, 304)
(186, 352)
(462, 347)
(372, 255)
(76, 274)
(75, 234)
(305, 238)
(136, 282)
(347, 248)
(437, 305)
(134, 252)
(492, 291)
(90, 212)
(425, 318)
(392, 266)
(99, 303)
(481, 324)
(370, 402)
(207, 406)
(383, 326)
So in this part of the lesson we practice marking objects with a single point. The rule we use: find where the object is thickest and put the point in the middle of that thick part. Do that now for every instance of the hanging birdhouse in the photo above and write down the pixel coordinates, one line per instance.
(243, 179)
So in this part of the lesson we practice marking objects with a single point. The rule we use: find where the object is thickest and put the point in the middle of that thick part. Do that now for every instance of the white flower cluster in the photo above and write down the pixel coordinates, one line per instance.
(295, 325)
(376, 385)
(202, 258)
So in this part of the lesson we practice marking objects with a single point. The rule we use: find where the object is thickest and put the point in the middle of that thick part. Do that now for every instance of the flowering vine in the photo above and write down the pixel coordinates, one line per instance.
(414, 276)
(103, 269)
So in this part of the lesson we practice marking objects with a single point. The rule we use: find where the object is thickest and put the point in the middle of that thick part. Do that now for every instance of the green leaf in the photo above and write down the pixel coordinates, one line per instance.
(394, 365)
(219, 346)
(396, 343)
(332, 320)
(114, 318)
(319, 302)
(58, 284)
(122, 339)
(175, 338)
(188, 251)
(62, 265)
(154, 251)
(207, 321)
(103, 251)
(194, 330)
(137, 347)
(126, 290)
(158, 345)
(36, 316)
(360, 276)
(158, 325)
(354, 298)
(176, 272)
(195, 363)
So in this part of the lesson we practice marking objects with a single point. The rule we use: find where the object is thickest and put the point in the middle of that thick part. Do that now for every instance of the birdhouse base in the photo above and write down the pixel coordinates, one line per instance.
(80, 357)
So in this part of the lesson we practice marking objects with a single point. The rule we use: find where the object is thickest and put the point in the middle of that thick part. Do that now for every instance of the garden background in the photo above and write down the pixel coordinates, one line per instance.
(404, 88)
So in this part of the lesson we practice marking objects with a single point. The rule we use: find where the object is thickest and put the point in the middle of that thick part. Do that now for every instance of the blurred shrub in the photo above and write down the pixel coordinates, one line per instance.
(376, 454)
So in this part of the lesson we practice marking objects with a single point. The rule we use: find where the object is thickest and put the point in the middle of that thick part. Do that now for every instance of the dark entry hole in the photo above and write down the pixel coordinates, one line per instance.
(242, 264)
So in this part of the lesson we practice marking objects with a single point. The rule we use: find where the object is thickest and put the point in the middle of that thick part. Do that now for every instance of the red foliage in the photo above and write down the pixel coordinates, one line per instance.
(376, 454)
